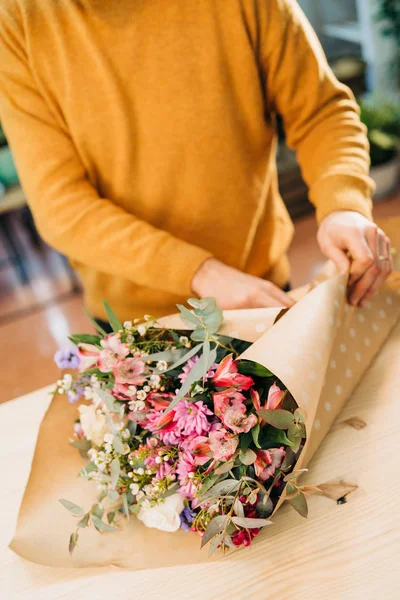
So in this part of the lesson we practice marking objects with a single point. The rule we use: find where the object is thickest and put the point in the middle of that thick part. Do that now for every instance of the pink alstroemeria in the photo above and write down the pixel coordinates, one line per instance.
(89, 355)
(199, 447)
(129, 370)
(227, 375)
(160, 421)
(223, 444)
(228, 399)
(113, 351)
(122, 391)
(159, 400)
(274, 400)
(268, 461)
(236, 420)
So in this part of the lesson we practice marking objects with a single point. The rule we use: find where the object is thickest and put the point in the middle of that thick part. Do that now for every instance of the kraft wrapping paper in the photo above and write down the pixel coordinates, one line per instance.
(320, 349)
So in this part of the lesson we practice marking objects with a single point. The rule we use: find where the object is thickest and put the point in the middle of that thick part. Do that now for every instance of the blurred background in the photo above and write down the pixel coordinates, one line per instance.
(40, 296)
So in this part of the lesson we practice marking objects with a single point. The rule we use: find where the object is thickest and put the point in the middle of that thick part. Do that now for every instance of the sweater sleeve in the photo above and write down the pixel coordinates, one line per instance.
(69, 213)
(320, 115)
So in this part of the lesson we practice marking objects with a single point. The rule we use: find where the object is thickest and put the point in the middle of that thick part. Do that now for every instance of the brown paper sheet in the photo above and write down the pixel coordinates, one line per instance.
(320, 349)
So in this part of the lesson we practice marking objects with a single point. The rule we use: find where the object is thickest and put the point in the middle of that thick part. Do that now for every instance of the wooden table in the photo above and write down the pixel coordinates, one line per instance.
(341, 552)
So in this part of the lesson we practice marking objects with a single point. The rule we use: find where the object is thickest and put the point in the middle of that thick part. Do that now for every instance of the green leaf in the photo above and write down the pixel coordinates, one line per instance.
(76, 510)
(197, 372)
(73, 540)
(238, 508)
(278, 436)
(250, 523)
(255, 432)
(299, 503)
(199, 335)
(222, 488)
(248, 457)
(167, 355)
(301, 415)
(95, 323)
(101, 526)
(118, 444)
(224, 468)
(294, 474)
(247, 367)
(245, 440)
(208, 483)
(84, 521)
(87, 469)
(115, 323)
(281, 419)
(187, 316)
(214, 320)
(125, 505)
(115, 471)
(113, 495)
(109, 400)
(98, 511)
(110, 517)
(296, 431)
(215, 526)
(132, 426)
(214, 543)
(83, 445)
(84, 338)
(185, 357)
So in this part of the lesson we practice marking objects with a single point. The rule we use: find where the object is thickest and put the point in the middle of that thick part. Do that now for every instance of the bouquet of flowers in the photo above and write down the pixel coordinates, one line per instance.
(179, 431)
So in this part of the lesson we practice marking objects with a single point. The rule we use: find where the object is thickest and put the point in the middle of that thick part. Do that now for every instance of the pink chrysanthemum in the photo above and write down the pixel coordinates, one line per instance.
(191, 418)
(189, 366)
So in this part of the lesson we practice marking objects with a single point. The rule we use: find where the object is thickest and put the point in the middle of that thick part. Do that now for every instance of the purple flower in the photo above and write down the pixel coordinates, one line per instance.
(67, 358)
(187, 517)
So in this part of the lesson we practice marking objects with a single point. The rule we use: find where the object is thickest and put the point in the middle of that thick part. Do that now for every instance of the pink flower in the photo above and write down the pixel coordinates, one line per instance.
(186, 470)
(223, 444)
(225, 400)
(191, 418)
(113, 351)
(189, 366)
(274, 400)
(129, 370)
(235, 419)
(163, 424)
(79, 431)
(268, 461)
(159, 400)
(122, 391)
(198, 447)
(89, 355)
(227, 375)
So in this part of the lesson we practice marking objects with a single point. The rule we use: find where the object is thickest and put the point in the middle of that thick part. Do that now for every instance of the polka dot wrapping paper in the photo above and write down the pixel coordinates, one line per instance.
(320, 349)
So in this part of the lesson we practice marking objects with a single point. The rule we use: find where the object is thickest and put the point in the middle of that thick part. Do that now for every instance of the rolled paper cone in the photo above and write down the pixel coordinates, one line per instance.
(319, 349)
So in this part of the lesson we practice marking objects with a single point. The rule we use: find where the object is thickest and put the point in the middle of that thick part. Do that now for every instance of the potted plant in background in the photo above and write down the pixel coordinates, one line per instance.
(382, 118)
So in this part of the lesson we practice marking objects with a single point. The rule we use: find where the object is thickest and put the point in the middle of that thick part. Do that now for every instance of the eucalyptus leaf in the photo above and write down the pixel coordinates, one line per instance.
(83, 445)
(221, 488)
(300, 414)
(248, 457)
(101, 526)
(224, 468)
(187, 316)
(255, 432)
(87, 469)
(84, 521)
(185, 357)
(214, 543)
(115, 470)
(125, 506)
(113, 495)
(118, 444)
(98, 511)
(132, 426)
(299, 503)
(114, 321)
(238, 508)
(215, 526)
(73, 540)
(167, 355)
(294, 474)
(84, 338)
(76, 510)
(251, 523)
(199, 335)
(108, 400)
(281, 419)
(110, 517)
(208, 483)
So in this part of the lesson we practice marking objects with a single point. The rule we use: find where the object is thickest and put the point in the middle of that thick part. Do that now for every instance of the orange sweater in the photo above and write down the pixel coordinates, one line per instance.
(144, 135)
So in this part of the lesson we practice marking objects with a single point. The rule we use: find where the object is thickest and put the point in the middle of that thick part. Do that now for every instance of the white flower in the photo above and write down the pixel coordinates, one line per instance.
(155, 379)
(88, 393)
(136, 405)
(183, 339)
(163, 516)
(142, 329)
(128, 325)
(109, 438)
(141, 395)
(162, 365)
(93, 423)
(134, 488)
(146, 388)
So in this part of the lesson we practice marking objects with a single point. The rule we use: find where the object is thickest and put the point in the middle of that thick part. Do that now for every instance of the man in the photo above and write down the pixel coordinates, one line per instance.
(144, 135)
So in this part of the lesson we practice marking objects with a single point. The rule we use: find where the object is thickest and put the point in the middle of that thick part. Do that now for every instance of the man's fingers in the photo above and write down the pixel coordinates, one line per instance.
(339, 257)
(360, 247)
(386, 267)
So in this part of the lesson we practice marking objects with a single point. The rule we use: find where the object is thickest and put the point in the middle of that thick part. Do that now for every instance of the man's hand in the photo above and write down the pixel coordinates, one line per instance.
(233, 289)
(353, 243)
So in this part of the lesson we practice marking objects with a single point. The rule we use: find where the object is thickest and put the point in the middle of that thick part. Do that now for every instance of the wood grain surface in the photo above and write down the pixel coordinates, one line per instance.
(341, 552)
